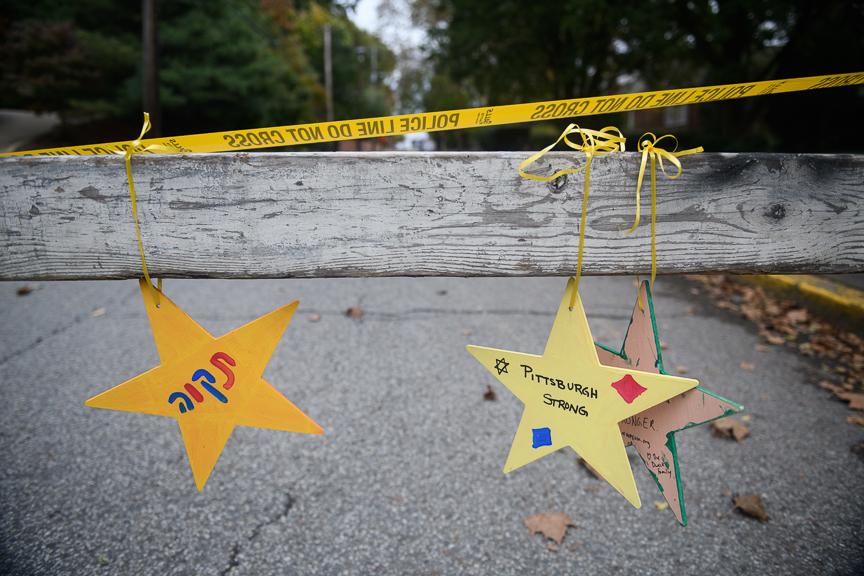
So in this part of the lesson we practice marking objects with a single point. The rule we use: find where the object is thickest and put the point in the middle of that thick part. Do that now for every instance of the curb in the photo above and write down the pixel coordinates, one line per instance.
(838, 303)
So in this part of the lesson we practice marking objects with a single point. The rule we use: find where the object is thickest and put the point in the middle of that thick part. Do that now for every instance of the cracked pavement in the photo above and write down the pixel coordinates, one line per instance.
(407, 478)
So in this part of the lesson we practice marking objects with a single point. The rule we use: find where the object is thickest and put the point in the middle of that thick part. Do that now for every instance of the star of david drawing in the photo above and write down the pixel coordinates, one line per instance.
(501, 366)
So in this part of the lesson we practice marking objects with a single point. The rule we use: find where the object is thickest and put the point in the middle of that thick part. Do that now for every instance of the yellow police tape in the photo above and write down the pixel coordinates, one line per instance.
(455, 119)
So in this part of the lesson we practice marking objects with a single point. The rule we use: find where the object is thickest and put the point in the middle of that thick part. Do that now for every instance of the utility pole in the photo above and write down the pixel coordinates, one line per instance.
(150, 44)
(328, 72)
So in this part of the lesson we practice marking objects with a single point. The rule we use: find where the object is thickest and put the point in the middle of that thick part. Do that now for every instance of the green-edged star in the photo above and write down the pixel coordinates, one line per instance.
(572, 400)
(652, 432)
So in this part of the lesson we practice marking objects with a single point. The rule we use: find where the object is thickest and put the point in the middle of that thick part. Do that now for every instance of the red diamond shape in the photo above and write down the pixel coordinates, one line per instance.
(628, 388)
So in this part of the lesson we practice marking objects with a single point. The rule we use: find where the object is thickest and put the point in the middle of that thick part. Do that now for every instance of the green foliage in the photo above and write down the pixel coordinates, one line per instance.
(501, 52)
(222, 68)
(224, 64)
(53, 67)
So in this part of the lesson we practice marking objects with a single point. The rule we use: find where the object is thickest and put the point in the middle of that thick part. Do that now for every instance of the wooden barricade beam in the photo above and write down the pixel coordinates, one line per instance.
(289, 215)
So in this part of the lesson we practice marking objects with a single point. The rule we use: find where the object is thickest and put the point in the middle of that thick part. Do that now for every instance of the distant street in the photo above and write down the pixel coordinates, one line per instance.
(407, 477)
(18, 126)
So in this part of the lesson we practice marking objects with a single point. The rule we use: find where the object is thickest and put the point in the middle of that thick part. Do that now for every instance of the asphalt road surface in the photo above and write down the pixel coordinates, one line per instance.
(407, 477)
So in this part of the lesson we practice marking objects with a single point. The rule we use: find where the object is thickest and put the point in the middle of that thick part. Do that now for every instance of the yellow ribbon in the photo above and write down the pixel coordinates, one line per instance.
(135, 148)
(650, 148)
(594, 143)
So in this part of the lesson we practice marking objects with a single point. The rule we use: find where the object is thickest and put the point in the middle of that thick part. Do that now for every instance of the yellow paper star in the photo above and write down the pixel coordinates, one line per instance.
(209, 384)
(572, 400)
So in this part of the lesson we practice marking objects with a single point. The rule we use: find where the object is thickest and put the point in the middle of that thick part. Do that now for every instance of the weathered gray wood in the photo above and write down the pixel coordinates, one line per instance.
(266, 215)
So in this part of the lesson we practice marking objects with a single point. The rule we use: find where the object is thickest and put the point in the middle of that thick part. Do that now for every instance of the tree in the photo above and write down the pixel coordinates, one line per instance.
(508, 52)
(225, 64)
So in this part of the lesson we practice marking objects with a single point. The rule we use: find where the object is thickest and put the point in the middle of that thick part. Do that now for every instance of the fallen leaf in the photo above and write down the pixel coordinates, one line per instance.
(746, 366)
(765, 396)
(797, 316)
(751, 505)
(575, 545)
(681, 369)
(661, 505)
(466, 332)
(354, 312)
(490, 394)
(745, 418)
(27, 289)
(761, 348)
(314, 318)
(856, 420)
(97, 312)
(774, 339)
(725, 492)
(553, 525)
(856, 401)
(829, 386)
(589, 468)
(729, 427)
(552, 548)
(397, 498)
(800, 474)
(663, 346)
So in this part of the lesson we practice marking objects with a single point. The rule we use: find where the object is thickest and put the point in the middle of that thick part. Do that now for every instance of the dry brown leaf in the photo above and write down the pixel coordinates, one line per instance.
(314, 318)
(589, 468)
(552, 548)
(761, 348)
(354, 312)
(746, 366)
(681, 369)
(797, 316)
(466, 332)
(397, 498)
(774, 339)
(26, 289)
(663, 345)
(832, 387)
(490, 394)
(553, 525)
(751, 505)
(575, 545)
(729, 427)
(856, 420)
(856, 401)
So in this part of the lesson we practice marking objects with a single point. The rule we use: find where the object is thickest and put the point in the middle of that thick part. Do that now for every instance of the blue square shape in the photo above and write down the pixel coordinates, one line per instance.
(542, 437)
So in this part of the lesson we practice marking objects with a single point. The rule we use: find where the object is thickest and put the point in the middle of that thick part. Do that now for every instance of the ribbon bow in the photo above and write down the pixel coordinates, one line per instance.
(136, 147)
(650, 148)
(594, 143)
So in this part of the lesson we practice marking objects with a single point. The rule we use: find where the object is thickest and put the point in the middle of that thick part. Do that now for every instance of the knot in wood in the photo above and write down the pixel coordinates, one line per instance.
(777, 212)
(557, 185)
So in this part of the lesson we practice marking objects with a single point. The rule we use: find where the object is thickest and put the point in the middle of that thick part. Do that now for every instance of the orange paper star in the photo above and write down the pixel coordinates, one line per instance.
(209, 384)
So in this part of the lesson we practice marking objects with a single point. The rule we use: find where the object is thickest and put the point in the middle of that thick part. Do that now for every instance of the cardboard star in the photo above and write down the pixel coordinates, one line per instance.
(652, 432)
(572, 400)
(209, 384)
